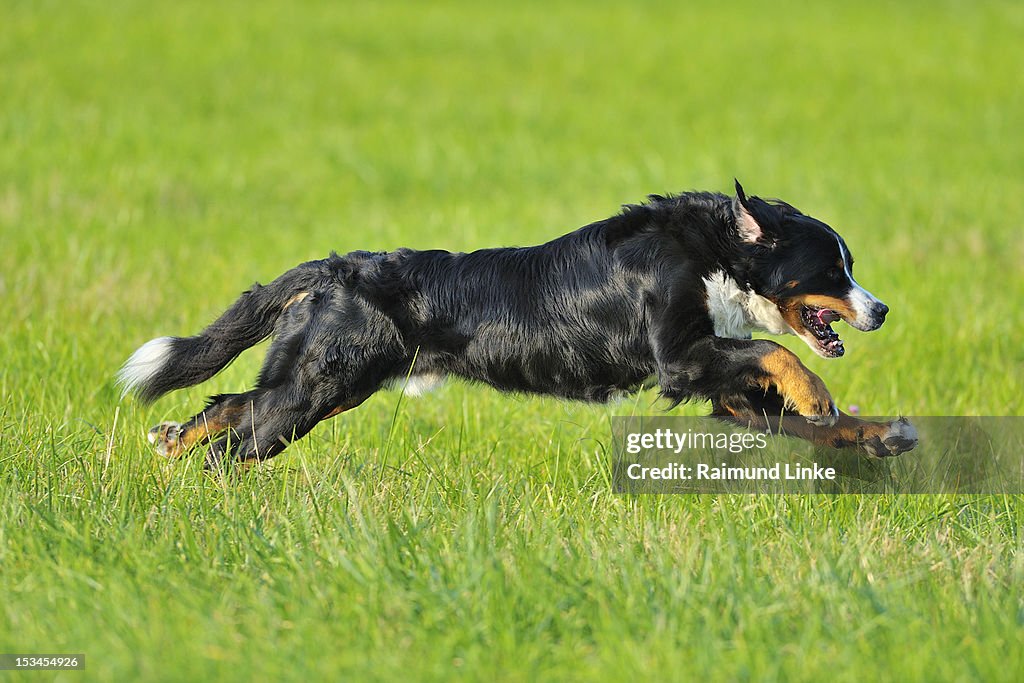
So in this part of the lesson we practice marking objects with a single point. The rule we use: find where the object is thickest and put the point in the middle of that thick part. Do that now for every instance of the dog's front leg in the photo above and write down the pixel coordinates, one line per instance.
(801, 390)
(715, 367)
(880, 439)
(765, 413)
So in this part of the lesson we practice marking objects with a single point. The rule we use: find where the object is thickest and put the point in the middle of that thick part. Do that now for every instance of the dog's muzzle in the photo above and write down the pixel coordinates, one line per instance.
(869, 312)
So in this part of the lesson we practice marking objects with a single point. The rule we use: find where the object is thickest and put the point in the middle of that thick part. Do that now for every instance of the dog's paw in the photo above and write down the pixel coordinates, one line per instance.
(801, 390)
(829, 418)
(814, 402)
(166, 437)
(900, 437)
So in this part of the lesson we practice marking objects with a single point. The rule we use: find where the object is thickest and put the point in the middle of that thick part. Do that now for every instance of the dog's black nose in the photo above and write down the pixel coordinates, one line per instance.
(880, 311)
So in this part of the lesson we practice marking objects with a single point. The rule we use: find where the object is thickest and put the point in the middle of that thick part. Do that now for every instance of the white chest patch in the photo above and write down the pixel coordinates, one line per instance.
(420, 384)
(736, 311)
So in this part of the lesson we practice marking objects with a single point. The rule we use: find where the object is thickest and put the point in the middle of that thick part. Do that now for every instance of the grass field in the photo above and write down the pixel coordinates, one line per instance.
(156, 158)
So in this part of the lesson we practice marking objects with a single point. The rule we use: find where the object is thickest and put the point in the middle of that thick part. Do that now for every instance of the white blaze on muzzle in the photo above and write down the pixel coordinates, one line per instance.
(863, 303)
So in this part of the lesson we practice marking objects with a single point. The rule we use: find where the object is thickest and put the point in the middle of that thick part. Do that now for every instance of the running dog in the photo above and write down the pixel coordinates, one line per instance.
(668, 290)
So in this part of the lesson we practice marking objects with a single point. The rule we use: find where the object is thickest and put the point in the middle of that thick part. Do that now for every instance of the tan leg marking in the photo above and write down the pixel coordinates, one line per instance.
(881, 439)
(801, 389)
(174, 440)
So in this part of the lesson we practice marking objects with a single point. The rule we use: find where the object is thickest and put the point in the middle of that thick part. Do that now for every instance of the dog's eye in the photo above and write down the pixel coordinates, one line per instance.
(834, 274)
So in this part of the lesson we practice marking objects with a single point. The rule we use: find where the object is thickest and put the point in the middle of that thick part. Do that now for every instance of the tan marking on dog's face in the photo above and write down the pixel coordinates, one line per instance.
(791, 314)
(840, 306)
(790, 308)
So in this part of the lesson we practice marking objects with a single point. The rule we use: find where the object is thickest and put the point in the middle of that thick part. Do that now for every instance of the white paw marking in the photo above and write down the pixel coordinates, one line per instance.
(900, 438)
(165, 437)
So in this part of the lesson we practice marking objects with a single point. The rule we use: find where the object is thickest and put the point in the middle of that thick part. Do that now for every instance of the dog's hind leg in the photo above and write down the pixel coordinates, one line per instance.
(318, 365)
(272, 422)
(299, 388)
(174, 439)
(249, 422)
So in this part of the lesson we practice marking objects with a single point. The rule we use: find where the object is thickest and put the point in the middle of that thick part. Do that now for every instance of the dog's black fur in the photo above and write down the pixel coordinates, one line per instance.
(586, 316)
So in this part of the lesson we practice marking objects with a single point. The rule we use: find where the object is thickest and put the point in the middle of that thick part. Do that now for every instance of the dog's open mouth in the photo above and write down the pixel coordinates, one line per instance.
(818, 321)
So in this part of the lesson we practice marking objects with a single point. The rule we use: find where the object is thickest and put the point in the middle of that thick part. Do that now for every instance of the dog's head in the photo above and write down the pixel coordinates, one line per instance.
(804, 268)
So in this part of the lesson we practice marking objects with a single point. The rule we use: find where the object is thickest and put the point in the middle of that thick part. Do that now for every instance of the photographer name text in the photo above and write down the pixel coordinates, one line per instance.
(704, 471)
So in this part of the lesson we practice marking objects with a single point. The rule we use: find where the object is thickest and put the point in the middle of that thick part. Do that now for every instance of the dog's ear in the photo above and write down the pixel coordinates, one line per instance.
(746, 225)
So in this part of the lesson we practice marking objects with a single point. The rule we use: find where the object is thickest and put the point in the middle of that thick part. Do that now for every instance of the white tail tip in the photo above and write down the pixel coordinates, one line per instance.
(144, 364)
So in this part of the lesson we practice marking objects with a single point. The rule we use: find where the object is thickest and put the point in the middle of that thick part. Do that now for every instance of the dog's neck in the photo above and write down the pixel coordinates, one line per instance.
(735, 311)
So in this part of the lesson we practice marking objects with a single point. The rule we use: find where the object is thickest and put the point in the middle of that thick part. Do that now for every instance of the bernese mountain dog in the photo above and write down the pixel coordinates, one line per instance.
(665, 292)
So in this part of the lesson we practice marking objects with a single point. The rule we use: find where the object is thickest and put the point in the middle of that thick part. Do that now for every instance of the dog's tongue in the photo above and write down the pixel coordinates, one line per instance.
(827, 316)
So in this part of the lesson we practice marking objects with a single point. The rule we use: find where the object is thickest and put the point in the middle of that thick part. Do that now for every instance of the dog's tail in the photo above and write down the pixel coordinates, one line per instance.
(168, 363)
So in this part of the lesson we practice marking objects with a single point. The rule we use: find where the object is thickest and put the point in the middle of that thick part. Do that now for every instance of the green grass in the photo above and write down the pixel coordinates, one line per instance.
(155, 159)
